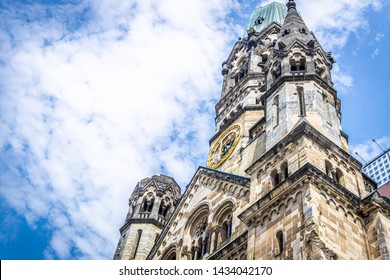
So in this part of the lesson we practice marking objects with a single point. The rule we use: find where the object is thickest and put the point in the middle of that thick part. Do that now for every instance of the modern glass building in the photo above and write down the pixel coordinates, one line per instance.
(379, 168)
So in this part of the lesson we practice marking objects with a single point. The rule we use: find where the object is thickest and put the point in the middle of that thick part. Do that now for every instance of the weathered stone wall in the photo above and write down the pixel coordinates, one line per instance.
(286, 217)
(378, 235)
(320, 114)
(341, 228)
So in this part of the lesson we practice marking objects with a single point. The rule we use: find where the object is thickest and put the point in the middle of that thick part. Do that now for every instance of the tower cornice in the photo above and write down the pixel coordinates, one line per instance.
(299, 78)
(303, 128)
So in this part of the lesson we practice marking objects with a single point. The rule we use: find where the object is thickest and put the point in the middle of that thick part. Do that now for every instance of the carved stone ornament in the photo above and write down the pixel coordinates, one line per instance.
(315, 247)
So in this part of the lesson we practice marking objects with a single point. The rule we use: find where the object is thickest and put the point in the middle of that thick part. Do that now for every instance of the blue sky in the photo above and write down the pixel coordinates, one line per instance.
(96, 95)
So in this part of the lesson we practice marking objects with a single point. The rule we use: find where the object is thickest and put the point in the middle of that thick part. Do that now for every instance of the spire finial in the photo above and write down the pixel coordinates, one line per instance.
(291, 5)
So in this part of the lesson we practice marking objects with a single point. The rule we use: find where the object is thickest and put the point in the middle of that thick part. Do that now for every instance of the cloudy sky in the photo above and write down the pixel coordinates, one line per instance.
(96, 95)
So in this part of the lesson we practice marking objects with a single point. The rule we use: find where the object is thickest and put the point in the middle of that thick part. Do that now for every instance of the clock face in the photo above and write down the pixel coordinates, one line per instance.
(224, 147)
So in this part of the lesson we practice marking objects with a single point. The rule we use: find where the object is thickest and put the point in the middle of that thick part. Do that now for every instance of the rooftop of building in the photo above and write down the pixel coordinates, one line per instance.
(385, 190)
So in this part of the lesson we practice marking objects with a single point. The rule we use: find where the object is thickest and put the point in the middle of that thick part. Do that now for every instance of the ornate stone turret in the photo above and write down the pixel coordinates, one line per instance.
(299, 86)
(150, 206)
(294, 29)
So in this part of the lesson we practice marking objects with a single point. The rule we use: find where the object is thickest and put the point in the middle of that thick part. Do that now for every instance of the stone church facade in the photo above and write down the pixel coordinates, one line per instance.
(280, 182)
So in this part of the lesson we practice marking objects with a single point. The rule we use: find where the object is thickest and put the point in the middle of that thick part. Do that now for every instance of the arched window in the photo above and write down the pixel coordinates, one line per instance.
(200, 239)
(136, 242)
(170, 254)
(298, 63)
(223, 221)
(148, 204)
(244, 68)
(227, 227)
(275, 175)
(284, 169)
(164, 208)
(328, 169)
(165, 212)
(197, 232)
(279, 246)
(339, 177)
(320, 69)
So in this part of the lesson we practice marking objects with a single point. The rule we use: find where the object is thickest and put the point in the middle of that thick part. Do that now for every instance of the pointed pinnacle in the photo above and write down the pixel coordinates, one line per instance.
(291, 5)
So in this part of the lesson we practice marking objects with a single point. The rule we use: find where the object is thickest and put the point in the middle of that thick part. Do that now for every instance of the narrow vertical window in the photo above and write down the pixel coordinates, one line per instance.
(284, 169)
(227, 227)
(276, 111)
(339, 177)
(148, 204)
(328, 169)
(275, 175)
(137, 241)
(326, 108)
(301, 102)
(280, 243)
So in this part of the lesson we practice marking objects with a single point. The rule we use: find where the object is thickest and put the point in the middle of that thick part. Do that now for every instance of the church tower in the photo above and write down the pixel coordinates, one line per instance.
(308, 196)
(280, 182)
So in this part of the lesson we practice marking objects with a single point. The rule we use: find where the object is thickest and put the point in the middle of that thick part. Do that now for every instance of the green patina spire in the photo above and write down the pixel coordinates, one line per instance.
(264, 16)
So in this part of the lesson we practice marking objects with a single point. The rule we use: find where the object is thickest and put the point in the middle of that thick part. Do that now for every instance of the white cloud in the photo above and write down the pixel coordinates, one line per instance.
(379, 37)
(343, 81)
(375, 53)
(88, 107)
(333, 21)
(87, 112)
(369, 149)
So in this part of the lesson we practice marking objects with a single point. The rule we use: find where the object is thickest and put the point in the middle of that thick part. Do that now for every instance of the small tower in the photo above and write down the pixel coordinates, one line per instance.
(150, 206)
